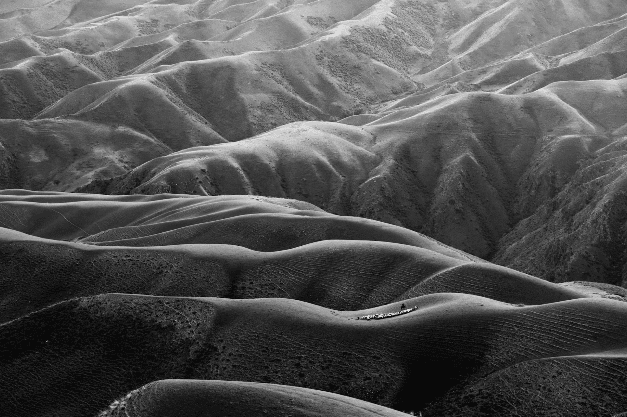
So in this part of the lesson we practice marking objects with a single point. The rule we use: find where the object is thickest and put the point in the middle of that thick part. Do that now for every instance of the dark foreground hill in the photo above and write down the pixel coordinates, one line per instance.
(314, 155)
(172, 398)
(78, 356)
(104, 294)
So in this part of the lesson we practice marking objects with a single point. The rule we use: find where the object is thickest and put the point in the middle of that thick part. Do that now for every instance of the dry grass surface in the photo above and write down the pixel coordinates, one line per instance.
(170, 398)
(269, 290)
(293, 201)
(465, 339)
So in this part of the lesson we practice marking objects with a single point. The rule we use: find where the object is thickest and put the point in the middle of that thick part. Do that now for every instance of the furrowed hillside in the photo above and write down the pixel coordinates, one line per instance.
(313, 207)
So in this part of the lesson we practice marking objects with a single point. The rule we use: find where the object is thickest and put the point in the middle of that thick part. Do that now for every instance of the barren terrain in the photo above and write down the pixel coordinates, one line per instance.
(313, 207)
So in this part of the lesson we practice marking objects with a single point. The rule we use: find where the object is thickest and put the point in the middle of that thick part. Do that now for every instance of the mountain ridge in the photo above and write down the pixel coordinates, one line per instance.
(313, 207)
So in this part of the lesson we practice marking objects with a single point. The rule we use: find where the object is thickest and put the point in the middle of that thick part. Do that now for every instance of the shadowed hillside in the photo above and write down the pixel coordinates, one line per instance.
(464, 168)
(204, 398)
(462, 156)
(378, 305)
(463, 338)
(291, 208)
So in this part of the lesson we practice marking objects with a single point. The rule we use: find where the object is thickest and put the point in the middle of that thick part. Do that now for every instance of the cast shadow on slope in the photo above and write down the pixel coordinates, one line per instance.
(461, 338)
(464, 168)
(236, 247)
(172, 398)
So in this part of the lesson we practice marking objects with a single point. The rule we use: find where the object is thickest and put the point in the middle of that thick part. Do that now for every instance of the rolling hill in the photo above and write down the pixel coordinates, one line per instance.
(366, 309)
(436, 89)
(463, 168)
(227, 398)
(313, 207)
(465, 339)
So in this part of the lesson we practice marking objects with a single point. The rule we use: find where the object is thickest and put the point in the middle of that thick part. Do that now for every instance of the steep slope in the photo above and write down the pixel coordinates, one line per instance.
(59, 155)
(344, 57)
(463, 169)
(615, 42)
(321, 147)
(30, 86)
(143, 106)
(52, 154)
(577, 235)
(224, 71)
(517, 25)
(318, 163)
(605, 66)
(579, 39)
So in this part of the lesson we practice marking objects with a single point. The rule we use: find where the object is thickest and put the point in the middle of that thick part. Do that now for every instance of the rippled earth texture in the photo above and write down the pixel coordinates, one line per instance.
(313, 208)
